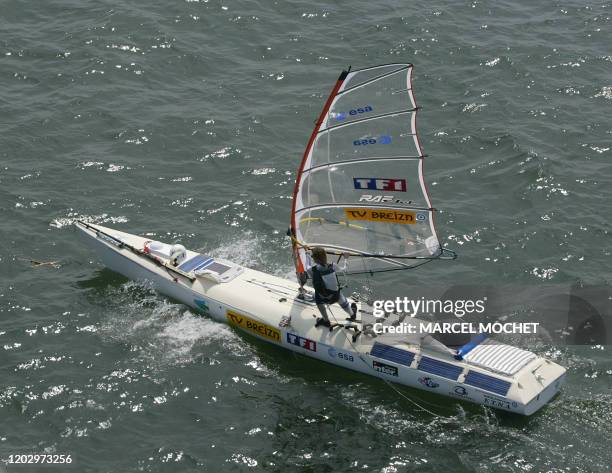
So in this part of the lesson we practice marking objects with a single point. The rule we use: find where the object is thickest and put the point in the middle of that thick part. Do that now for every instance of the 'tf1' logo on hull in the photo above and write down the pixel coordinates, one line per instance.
(301, 342)
(380, 184)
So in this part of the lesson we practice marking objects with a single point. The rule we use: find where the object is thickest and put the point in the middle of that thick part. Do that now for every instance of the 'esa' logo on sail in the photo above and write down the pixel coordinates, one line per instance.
(379, 184)
(373, 140)
(355, 111)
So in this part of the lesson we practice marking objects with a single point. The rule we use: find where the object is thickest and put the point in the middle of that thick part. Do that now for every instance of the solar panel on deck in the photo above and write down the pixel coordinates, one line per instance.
(217, 268)
(396, 355)
(489, 383)
(197, 262)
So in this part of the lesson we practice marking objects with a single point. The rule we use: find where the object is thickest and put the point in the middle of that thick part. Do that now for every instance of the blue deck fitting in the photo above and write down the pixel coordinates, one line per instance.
(469, 346)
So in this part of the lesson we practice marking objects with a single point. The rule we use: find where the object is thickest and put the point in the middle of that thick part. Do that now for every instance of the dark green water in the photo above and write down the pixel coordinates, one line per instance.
(186, 120)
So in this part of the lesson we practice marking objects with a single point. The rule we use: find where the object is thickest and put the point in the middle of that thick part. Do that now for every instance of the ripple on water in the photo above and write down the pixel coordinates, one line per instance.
(106, 111)
(165, 332)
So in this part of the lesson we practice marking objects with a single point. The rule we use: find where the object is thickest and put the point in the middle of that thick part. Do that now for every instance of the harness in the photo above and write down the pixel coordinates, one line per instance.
(319, 285)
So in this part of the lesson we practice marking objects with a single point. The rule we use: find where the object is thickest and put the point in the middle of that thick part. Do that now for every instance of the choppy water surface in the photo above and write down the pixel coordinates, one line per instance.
(186, 121)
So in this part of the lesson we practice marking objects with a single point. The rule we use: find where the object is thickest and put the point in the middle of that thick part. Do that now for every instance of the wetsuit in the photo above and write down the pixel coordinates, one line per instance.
(327, 289)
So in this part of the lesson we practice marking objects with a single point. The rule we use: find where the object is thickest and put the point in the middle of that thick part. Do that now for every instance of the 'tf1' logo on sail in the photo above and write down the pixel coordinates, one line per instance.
(403, 217)
(380, 184)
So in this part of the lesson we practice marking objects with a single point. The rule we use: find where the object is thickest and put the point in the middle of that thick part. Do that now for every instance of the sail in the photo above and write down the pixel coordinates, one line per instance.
(360, 188)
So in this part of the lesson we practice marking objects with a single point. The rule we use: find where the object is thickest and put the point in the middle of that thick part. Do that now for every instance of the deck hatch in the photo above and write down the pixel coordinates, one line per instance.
(217, 268)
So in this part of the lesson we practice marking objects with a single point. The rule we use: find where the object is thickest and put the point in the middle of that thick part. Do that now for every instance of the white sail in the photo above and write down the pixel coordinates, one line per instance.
(360, 188)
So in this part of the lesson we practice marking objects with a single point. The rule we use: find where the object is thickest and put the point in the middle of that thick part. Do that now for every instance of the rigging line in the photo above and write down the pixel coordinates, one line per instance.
(387, 64)
(334, 205)
(297, 242)
(343, 270)
(307, 154)
(404, 268)
(362, 160)
(389, 258)
(359, 355)
(374, 79)
(399, 91)
(268, 284)
(416, 265)
(344, 224)
(123, 245)
(360, 120)
(329, 180)
(357, 253)
(289, 296)
(360, 254)
(441, 255)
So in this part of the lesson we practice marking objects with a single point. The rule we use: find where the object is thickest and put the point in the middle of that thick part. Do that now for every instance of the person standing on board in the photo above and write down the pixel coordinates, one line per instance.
(326, 286)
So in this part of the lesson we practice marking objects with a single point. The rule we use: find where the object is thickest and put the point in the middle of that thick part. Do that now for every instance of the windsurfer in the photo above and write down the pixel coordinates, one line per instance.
(326, 286)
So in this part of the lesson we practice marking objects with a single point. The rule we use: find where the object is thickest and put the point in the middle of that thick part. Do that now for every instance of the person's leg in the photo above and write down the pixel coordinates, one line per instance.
(323, 311)
(351, 310)
(324, 319)
(302, 278)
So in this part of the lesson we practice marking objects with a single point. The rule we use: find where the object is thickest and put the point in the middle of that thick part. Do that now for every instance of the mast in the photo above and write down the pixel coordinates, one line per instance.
(297, 259)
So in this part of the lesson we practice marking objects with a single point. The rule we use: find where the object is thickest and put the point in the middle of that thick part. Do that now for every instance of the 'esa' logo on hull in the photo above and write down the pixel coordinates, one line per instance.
(380, 184)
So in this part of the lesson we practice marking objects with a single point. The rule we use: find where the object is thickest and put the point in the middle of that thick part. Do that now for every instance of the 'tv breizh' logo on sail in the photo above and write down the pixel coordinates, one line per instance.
(403, 217)
(380, 184)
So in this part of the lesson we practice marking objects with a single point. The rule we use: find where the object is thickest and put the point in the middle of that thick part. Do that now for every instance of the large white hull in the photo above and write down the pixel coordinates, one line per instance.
(258, 303)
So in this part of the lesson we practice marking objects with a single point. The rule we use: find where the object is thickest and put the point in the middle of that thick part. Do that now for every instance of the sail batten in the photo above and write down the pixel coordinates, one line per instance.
(382, 76)
(360, 187)
(365, 206)
(388, 114)
(364, 160)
